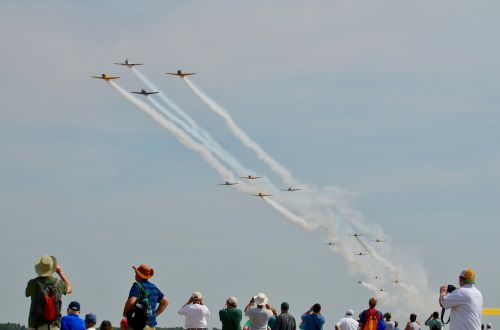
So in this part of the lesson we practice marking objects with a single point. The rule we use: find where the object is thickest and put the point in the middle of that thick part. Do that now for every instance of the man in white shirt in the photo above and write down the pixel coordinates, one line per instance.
(195, 313)
(466, 303)
(347, 322)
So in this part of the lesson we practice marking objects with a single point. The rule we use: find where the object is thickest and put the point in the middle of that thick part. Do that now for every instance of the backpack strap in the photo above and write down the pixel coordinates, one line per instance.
(142, 290)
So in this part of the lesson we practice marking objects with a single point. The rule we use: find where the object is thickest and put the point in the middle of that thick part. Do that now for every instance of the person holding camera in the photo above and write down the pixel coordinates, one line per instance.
(312, 318)
(466, 302)
(195, 312)
(412, 324)
(433, 322)
(260, 315)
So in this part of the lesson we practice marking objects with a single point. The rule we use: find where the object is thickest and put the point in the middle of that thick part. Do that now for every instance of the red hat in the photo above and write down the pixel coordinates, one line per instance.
(144, 271)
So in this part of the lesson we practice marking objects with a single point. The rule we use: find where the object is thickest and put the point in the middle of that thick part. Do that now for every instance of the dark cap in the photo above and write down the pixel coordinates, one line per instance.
(284, 305)
(74, 306)
(90, 318)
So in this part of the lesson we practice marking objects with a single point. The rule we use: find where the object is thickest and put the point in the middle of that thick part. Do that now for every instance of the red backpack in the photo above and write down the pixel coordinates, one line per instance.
(48, 303)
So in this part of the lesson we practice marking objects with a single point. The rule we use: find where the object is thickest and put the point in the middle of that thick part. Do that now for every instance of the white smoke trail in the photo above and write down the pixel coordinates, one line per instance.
(205, 153)
(177, 132)
(284, 173)
(211, 144)
(289, 215)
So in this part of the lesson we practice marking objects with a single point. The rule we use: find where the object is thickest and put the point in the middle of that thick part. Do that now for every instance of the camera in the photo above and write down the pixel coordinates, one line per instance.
(450, 288)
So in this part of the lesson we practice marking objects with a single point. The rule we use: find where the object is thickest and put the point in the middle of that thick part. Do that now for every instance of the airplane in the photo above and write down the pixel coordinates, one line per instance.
(144, 92)
(291, 189)
(378, 241)
(180, 73)
(105, 77)
(360, 254)
(250, 177)
(227, 183)
(330, 243)
(261, 195)
(396, 281)
(356, 235)
(382, 290)
(360, 282)
(377, 278)
(127, 64)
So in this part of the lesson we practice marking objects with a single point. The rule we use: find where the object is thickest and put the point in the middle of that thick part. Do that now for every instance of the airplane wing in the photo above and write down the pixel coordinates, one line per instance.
(188, 74)
(173, 73)
(110, 78)
(136, 92)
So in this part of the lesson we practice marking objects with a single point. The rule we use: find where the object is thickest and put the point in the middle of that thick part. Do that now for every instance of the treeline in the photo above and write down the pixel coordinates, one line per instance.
(16, 326)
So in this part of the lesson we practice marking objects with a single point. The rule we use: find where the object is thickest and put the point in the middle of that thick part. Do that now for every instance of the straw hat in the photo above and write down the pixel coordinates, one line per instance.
(261, 299)
(45, 265)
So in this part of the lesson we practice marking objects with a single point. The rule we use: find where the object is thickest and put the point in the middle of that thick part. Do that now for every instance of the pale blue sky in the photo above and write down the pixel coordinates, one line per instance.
(395, 102)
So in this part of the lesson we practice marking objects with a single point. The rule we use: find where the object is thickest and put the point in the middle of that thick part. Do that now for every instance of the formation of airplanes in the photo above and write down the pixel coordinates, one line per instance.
(128, 64)
(144, 92)
(181, 74)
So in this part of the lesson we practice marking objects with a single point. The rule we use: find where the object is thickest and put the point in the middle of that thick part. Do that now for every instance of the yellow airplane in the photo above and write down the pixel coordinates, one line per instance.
(181, 74)
(105, 77)
(261, 195)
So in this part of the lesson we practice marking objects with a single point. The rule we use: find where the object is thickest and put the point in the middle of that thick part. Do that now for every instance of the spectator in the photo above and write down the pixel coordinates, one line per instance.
(312, 318)
(488, 326)
(433, 322)
(466, 302)
(90, 321)
(106, 325)
(396, 325)
(412, 324)
(142, 275)
(195, 312)
(347, 322)
(72, 321)
(231, 316)
(258, 316)
(389, 325)
(285, 321)
(368, 319)
(45, 267)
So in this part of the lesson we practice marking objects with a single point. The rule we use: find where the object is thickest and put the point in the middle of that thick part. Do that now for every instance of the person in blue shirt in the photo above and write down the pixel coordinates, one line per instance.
(72, 321)
(312, 319)
(156, 298)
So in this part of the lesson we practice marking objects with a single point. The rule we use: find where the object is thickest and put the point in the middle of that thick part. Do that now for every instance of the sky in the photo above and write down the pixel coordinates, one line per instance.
(386, 109)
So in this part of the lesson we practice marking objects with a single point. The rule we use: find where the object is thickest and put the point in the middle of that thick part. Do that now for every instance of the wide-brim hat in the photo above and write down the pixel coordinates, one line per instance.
(144, 271)
(46, 265)
(261, 299)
